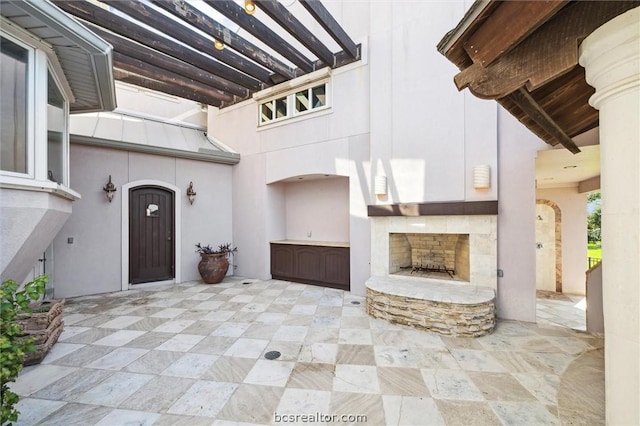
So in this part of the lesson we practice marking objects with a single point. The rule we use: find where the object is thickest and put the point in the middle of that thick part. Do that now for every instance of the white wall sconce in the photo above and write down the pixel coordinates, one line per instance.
(191, 194)
(380, 185)
(110, 189)
(482, 176)
(249, 7)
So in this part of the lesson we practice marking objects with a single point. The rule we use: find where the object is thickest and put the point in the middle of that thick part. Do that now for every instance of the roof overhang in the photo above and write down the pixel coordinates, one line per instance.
(524, 55)
(85, 58)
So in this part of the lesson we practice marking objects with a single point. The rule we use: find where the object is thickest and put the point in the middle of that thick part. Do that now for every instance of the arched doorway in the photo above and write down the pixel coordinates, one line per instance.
(548, 246)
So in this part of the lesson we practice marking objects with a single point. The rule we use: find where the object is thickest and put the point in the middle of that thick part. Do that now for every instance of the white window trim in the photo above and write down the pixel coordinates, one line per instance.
(290, 97)
(65, 132)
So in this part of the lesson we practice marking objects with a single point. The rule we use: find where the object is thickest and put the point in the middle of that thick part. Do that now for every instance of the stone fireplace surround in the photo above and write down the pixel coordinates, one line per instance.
(443, 306)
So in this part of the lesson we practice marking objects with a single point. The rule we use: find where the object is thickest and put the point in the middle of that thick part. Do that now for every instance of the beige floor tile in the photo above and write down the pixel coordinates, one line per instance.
(467, 413)
(402, 381)
(312, 376)
(252, 404)
(355, 354)
(500, 387)
(357, 404)
(229, 369)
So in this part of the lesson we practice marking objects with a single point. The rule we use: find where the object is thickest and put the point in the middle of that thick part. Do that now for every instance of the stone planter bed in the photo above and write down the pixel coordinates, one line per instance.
(443, 307)
(45, 325)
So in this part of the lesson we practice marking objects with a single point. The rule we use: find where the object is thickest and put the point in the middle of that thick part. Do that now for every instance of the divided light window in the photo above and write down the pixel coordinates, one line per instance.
(294, 104)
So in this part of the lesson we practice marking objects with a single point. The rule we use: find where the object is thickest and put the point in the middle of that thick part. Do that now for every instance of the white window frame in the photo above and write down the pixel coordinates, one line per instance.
(290, 97)
(65, 130)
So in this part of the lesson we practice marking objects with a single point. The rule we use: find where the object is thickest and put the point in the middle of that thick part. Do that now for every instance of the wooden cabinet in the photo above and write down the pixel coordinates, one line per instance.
(323, 264)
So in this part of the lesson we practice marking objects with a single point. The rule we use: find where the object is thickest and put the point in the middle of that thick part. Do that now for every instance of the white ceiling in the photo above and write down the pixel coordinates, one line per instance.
(557, 168)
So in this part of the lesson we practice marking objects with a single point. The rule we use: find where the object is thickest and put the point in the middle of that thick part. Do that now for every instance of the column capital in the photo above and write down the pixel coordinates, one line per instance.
(611, 57)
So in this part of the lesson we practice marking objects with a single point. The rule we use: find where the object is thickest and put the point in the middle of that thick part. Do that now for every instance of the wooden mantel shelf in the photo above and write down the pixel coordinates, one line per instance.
(435, 209)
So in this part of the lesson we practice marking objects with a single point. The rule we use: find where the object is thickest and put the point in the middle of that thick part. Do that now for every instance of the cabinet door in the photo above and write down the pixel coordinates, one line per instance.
(308, 263)
(336, 266)
(282, 260)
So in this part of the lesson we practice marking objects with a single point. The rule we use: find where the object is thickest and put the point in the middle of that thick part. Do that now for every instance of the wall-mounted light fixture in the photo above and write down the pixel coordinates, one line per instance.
(380, 185)
(191, 194)
(110, 189)
(219, 45)
(249, 7)
(482, 177)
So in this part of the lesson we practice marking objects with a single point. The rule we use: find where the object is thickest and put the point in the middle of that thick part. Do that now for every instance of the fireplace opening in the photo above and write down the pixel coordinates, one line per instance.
(441, 256)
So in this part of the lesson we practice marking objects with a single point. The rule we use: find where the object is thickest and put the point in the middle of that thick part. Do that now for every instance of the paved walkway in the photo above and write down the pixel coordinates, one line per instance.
(560, 309)
(194, 354)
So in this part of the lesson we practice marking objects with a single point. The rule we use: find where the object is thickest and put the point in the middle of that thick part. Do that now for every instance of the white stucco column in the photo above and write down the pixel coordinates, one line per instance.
(611, 57)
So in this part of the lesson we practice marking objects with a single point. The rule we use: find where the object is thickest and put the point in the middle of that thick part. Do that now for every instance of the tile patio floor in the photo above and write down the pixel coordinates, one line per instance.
(564, 310)
(193, 354)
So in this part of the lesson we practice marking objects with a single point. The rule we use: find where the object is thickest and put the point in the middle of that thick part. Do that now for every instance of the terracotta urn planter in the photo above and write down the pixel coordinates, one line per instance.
(213, 267)
(44, 324)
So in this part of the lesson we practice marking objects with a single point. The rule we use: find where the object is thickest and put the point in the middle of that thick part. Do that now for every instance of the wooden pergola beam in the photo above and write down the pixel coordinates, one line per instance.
(491, 40)
(137, 66)
(547, 54)
(119, 25)
(198, 19)
(153, 57)
(293, 26)
(141, 12)
(253, 26)
(523, 100)
(331, 26)
(147, 83)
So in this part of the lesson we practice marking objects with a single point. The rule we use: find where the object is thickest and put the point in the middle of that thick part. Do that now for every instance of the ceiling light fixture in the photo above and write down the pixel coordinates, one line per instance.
(249, 7)
(218, 44)
(569, 167)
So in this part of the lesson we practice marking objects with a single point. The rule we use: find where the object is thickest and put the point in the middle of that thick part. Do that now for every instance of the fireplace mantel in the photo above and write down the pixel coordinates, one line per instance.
(470, 208)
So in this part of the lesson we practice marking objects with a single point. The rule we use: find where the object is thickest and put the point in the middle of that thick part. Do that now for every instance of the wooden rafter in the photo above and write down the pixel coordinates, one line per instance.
(253, 26)
(546, 54)
(199, 20)
(141, 12)
(491, 40)
(286, 20)
(527, 104)
(171, 89)
(331, 26)
(137, 66)
(153, 57)
(122, 26)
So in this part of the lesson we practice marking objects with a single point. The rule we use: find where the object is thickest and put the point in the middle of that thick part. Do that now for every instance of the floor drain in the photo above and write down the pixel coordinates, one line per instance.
(272, 355)
(355, 302)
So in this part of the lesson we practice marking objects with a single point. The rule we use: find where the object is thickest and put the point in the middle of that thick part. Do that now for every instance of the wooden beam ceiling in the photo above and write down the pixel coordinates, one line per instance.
(168, 45)
(525, 55)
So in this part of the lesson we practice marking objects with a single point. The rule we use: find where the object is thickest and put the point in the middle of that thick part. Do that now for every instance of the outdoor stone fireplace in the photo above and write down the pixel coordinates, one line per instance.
(435, 271)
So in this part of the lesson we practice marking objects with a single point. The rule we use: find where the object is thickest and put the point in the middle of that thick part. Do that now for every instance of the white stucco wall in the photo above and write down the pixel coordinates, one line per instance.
(573, 206)
(516, 219)
(93, 263)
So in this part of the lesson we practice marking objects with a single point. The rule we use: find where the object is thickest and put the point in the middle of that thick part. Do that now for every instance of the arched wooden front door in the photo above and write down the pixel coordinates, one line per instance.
(151, 235)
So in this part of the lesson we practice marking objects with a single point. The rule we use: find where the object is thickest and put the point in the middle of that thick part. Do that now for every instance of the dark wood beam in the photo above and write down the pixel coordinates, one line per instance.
(137, 66)
(435, 209)
(153, 57)
(546, 54)
(198, 19)
(142, 81)
(521, 18)
(293, 26)
(149, 16)
(119, 25)
(529, 106)
(331, 26)
(253, 26)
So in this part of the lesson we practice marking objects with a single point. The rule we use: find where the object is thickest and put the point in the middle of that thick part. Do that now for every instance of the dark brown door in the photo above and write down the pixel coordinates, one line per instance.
(151, 245)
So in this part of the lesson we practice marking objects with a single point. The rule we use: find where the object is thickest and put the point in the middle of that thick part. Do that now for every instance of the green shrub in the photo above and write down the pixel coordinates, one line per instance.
(12, 349)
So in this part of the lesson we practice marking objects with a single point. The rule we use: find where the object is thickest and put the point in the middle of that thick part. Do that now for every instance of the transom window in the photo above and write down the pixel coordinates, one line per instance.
(302, 101)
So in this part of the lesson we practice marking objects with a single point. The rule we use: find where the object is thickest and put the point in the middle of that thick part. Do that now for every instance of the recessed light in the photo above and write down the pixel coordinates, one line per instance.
(300, 178)
(547, 179)
(569, 167)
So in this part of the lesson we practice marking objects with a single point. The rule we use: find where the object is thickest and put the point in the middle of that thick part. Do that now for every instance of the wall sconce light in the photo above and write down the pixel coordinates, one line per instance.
(219, 45)
(249, 7)
(191, 194)
(380, 185)
(110, 189)
(482, 177)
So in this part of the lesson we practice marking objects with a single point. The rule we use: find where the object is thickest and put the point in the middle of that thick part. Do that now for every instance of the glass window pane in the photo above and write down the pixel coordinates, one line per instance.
(319, 97)
(153, 210)
(55, 132)
(14, 61)
(302, 101)
(266, 112)
(281, 107)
